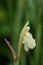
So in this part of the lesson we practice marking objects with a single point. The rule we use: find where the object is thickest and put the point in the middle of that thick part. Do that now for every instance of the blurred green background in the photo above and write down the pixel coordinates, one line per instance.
(13, 16)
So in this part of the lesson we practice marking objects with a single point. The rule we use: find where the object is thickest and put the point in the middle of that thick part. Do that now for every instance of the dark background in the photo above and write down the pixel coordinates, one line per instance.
(13, 16)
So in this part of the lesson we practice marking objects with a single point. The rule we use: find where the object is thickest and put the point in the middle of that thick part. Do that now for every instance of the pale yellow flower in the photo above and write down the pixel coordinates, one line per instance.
(26, 38)
(28, 41)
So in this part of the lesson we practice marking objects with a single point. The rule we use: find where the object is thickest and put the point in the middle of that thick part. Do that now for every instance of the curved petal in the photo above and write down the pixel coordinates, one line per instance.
(32, 43)
(26, 47)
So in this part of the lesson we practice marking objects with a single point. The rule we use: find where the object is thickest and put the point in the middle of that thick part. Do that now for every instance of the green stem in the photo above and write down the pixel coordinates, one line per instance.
(17, 62)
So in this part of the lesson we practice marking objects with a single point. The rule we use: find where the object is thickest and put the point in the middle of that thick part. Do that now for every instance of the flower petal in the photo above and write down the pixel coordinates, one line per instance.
(32, 43)
(26, 47)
